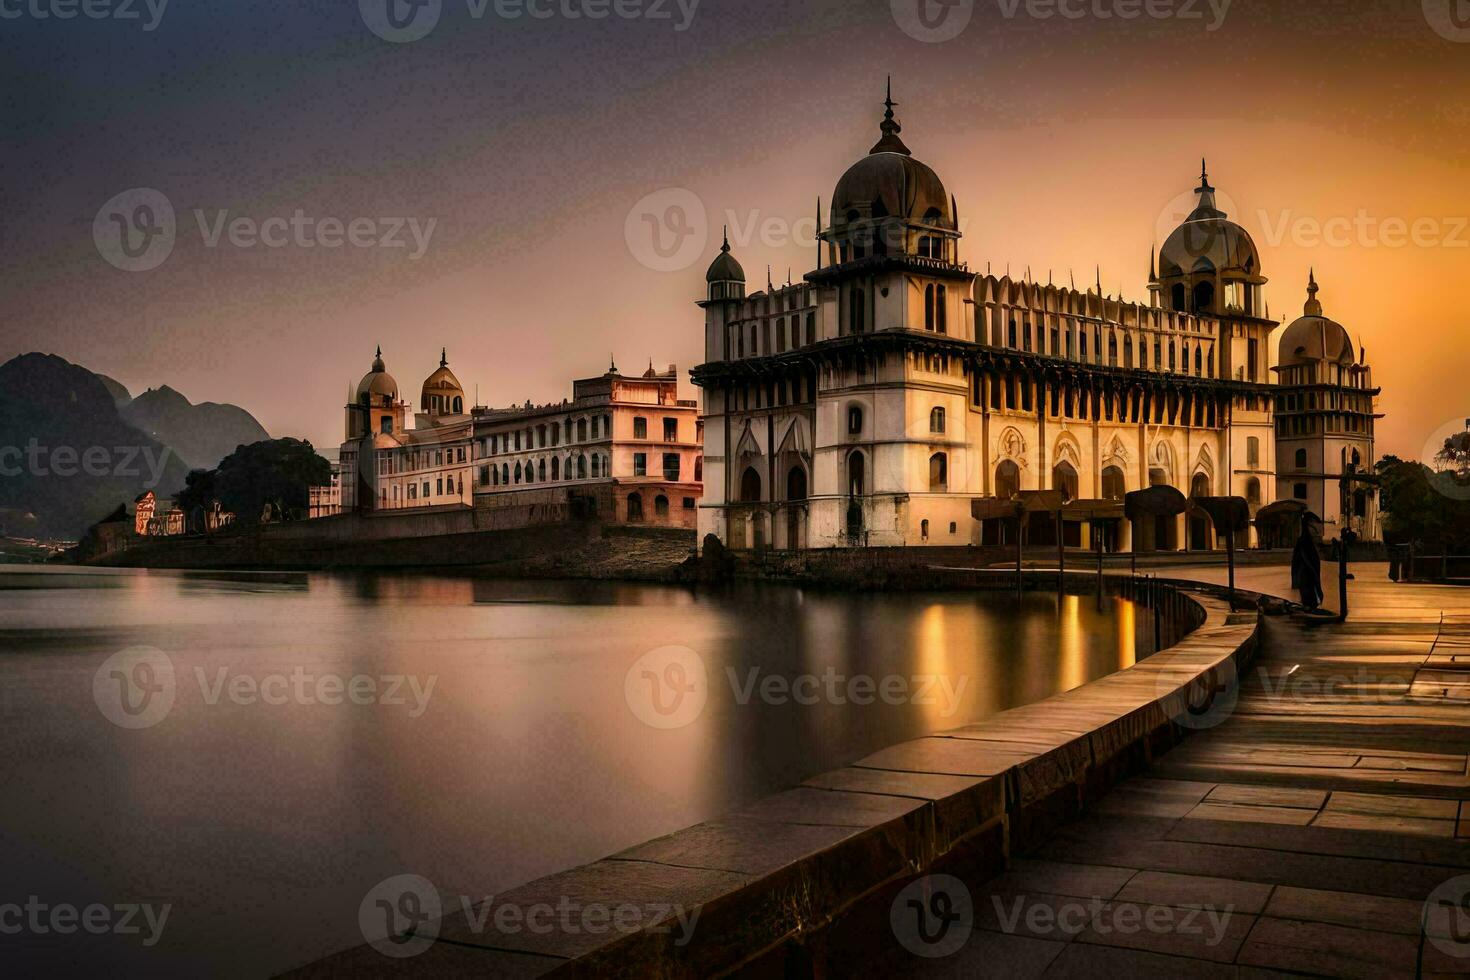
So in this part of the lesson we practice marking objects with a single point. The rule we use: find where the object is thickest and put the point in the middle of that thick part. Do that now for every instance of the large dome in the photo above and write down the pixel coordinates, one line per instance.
(1314, 337)
(1207, 242)
(889, 182)
(378, 381)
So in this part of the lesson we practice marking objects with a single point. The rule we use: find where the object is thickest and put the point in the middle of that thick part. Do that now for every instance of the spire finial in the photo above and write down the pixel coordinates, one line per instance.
(1153, 271)
(1204, 173)
(726, 247)
(380, 350)
(444, 357)
(1313, 307)
(890, 143)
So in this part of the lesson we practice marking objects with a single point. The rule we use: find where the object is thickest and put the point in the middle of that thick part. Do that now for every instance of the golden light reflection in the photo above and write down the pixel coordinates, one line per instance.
(1071, 664)
(932, 658)
(1125, 617)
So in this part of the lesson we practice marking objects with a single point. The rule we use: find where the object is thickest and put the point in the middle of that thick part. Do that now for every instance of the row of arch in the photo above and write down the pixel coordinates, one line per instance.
(536, 471)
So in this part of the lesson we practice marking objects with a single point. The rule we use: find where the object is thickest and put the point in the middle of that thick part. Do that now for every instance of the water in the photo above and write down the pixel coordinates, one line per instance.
(501, 738)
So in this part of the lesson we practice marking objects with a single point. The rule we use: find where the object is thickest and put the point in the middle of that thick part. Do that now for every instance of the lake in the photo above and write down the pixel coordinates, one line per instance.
(216, 768)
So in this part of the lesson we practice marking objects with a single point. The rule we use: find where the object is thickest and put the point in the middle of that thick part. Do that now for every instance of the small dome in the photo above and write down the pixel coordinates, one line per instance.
(1314, 337)
(443, 385)
(889, 182)
(1208, 242)
(378, 381)
(724, 268)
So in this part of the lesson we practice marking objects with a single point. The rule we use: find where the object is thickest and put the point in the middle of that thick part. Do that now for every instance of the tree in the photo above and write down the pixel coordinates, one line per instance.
(277, 471)
(1421, 506)
(1455, 454)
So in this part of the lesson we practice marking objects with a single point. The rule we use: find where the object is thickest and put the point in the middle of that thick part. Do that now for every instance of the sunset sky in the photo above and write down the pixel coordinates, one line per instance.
(1336, 133)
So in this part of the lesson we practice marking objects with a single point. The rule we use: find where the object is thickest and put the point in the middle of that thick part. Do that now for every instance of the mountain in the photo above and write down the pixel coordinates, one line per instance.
(201, 434)
(117, 389)
(67, 456)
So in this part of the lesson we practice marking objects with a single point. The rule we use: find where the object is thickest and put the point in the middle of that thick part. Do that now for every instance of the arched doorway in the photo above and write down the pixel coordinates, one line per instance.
(1007, 485)
(1063, 478)
(635, 507)
(750, 493)
(1199, 523)
(796, 508)
(1114, 483)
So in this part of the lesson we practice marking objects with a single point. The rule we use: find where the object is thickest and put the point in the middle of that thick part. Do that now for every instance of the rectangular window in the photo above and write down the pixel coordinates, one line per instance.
(671, 467)
(640, 464)
(640, 428)
(688, 503)
(671, 430)
(484, 476)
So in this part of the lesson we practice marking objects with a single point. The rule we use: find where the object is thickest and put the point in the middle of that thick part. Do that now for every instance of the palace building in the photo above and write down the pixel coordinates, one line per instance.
(622, 449)
(877, 401)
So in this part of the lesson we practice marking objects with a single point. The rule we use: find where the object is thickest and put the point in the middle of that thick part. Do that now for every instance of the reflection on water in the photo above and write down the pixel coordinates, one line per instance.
(263, 814)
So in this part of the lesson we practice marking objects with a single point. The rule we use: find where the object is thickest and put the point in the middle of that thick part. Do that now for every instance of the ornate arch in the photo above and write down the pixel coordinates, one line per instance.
(1012, 445)
(1116, 454)
(1205, 463)
(1066, 449)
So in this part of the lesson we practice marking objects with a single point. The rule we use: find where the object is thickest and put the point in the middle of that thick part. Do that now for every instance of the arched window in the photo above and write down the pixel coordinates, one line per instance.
(505, 474)
(518, 472)
(1011, 334)
(750, 485)
(856, 476)
(939, 471)
(581, 430)
(556, 468)
(1177, 295)
(1064, 478)
(936, 420)
(929, 306)
(854, 420)
(582, 467)
(941, 303)
(1114, 484)
(458, 404)
(596, 466)
(635, 507)
(541, 472)
(1199, 486)
(1128, 350)
(494, 476)
(924, 530)
(796, 484)
(1253, 493)
(1112, 349)
(1301, 459)
(661, 506)
(1204, 296)
(1199, 361)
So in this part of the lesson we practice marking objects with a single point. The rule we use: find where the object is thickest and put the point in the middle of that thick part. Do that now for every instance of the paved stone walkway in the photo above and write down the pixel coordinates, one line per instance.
(1301, 833)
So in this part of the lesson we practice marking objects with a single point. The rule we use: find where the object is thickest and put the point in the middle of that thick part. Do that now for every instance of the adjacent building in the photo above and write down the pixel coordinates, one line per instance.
(622, 449)
(875, 402)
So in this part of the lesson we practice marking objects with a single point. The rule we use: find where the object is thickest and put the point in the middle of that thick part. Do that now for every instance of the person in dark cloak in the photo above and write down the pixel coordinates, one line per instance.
(1306, 563)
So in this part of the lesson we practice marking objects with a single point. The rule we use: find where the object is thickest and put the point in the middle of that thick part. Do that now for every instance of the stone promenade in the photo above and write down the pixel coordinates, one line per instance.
(1303, 830)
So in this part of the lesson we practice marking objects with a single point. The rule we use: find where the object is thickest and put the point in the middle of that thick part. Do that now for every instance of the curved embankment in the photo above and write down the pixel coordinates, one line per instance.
(769, 886)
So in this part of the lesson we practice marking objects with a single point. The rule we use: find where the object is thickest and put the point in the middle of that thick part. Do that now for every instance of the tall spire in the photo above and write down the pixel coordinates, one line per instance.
(1153, 270)
(1313, 308)
(444, 357)
(726, 246)
(1206, 207)
(890, 143)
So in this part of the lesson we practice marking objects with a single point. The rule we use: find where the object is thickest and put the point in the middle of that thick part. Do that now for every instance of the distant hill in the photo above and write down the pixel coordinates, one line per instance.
(119, 392)
(202, 434)
(67, 456)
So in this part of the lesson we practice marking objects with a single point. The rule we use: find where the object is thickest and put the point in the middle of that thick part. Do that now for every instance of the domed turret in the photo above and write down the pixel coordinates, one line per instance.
(378, 385)
(442, 393)
(890, 203)
(1209, 264)
(1314, 337)
(725, 277)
